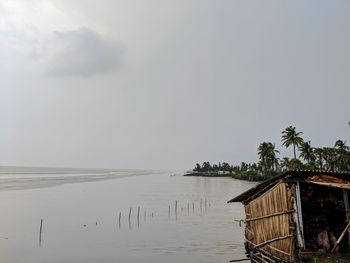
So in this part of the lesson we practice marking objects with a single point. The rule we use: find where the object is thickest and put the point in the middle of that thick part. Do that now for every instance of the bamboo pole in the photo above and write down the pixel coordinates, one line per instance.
(40, 231)
(239, 260)
(129, 218)
(341, 237)
(271, 215)
(138, 216)
(272, 240)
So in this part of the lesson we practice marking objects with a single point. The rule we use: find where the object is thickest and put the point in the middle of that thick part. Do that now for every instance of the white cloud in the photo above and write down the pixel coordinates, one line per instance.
(82, 52)
(38, 36)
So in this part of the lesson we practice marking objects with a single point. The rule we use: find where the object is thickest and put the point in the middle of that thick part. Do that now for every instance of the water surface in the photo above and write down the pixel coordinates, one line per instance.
(81, 219)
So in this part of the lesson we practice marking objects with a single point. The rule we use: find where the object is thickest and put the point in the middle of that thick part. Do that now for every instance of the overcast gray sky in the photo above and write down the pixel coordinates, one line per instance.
(165, 84)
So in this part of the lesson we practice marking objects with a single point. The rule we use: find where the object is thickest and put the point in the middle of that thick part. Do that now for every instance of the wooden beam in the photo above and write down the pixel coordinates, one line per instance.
(271, 240)
(271, 215)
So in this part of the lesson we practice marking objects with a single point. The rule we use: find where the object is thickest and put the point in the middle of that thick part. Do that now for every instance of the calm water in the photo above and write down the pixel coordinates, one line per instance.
(81, 219)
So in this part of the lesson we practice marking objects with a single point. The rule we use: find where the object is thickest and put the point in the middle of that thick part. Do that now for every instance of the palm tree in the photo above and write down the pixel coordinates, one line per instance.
(291, 164)
(295, 164)
(225, 167)
(267, 156)
(285, 163)
(319, 156)
(342, 151)
(291, 137)
(306, 152)
(206, 167)
(197, 168)
(329, 157)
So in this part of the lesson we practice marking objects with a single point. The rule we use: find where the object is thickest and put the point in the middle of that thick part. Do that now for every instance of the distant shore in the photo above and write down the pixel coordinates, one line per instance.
(238, 176)
(208, 174)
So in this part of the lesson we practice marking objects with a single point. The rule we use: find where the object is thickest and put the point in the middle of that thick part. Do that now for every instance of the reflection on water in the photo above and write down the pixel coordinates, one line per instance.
(148, 218)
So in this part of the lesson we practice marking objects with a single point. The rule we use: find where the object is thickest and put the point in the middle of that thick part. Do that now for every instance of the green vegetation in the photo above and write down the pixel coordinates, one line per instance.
(336, 158)
(322, 257)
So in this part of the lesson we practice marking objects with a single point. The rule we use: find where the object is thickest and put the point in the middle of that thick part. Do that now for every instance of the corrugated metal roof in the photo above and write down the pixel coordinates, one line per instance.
(297, 174)
(327, 180)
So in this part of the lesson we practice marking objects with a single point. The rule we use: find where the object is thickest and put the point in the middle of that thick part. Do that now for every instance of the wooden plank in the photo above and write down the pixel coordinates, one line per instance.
(347, 210)
(299, 217)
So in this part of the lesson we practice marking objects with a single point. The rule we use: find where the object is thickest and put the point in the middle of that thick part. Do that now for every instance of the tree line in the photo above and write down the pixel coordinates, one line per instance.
(305, 156)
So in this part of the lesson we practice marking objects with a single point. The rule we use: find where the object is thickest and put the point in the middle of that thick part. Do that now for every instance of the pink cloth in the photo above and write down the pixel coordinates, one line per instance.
(326, 240)
(323, 240)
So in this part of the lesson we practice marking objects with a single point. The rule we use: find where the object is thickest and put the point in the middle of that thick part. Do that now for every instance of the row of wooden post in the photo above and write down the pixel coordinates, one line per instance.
(138, 215)
(129, 218)
(188, 207)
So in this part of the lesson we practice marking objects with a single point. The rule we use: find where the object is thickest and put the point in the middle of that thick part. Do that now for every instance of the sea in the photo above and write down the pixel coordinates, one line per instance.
(56, 215)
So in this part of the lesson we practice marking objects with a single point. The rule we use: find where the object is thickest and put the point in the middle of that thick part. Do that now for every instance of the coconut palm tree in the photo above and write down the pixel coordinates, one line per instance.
(291, 137)
(285, 163)
(267, 155)
(331, 158)
(306, 152)
(319, 157)
(197, 168)
(342, 153)
(225, 167)
(206, 167)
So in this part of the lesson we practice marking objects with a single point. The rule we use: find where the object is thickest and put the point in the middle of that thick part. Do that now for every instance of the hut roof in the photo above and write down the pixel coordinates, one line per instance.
(297, 174)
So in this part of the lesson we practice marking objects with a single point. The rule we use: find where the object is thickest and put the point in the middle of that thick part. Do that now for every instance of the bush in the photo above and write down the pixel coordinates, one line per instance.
(248, 176)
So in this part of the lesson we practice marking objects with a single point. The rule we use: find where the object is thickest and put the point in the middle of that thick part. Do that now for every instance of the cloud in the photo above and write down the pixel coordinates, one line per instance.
(82, 52)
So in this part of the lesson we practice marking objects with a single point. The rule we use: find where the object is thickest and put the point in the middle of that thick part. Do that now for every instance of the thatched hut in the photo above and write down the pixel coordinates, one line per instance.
(286, 214)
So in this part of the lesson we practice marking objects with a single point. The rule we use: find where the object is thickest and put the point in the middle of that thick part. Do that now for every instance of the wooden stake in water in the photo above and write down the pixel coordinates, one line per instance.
(120, 215)
(188, 208)
(40, 231)
(138, 216)
(175, 209)
(129, 218)
(193, 206)
(169, 211)
(205, 205)
(201, 205)
(144, 217)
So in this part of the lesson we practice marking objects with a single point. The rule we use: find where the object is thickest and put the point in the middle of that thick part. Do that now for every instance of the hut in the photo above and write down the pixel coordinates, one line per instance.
(286, 214)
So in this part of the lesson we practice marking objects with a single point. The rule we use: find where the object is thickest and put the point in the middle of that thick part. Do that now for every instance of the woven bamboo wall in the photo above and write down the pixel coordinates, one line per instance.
(275, 201)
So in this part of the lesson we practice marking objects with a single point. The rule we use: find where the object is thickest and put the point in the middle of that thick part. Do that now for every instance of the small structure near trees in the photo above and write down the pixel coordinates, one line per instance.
(286, 215)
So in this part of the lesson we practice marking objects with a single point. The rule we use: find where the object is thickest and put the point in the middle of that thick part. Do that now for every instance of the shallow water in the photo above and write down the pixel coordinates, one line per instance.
(81, 220)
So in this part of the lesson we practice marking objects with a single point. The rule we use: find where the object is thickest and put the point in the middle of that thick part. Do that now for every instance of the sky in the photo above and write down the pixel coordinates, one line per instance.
(163, 84)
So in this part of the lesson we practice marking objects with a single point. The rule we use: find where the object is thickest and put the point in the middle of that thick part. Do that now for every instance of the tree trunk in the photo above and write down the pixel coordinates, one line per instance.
(295, 156)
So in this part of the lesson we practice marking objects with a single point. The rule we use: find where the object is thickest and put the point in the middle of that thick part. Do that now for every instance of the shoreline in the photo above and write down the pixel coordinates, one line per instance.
(231, 175)
(208, 175)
